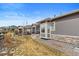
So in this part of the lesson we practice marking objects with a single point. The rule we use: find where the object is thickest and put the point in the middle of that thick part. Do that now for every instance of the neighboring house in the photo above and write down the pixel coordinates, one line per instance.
(12, 28)
(35, 29)
(5, 29)
(20, 30)
(27, 29)
(61, 27)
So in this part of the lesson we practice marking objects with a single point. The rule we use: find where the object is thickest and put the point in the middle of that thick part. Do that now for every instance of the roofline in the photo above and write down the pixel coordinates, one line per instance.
(44, 20)
(61, 16)
(64, 15)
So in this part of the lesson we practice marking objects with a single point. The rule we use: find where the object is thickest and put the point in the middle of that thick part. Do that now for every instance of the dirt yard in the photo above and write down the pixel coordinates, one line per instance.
(26, 46)
(29, 47)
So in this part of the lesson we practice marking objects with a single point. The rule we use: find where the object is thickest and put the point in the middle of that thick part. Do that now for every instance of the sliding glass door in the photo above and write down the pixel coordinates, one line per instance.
(42, 30)
(48, 30)
(45, 30)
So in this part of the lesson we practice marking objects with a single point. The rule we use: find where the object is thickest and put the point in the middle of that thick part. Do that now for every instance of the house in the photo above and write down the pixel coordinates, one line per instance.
(63, 28)
(12, 28)
(27, 29)
(20, 30)
(35, 28)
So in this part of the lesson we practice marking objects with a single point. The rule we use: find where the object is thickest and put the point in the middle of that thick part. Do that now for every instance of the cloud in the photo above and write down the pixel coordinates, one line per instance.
(12, 18)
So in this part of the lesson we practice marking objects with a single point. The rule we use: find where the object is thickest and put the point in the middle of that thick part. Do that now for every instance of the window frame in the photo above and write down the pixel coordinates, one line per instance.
(54, 26)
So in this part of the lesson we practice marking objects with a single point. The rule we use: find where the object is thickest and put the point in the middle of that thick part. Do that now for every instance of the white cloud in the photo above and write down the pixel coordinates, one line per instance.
(12, 18)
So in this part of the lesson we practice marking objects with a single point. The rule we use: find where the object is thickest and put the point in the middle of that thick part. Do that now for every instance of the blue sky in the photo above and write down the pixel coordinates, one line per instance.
(20, 13)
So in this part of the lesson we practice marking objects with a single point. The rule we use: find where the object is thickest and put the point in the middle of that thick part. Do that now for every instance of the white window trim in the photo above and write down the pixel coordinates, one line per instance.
(54, 29)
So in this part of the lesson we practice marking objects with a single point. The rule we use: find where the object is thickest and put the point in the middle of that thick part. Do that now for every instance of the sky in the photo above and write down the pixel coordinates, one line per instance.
(28, 13)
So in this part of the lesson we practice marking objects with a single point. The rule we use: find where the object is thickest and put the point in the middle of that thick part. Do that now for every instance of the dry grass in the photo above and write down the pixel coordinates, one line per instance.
(29, 47)
(8, 40)
(26, 46)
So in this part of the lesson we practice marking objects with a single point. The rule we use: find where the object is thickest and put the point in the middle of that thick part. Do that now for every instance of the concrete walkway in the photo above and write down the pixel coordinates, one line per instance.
(67, 48)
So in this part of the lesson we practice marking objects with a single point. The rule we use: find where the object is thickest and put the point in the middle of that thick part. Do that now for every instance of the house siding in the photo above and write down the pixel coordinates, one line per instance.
(68, 25)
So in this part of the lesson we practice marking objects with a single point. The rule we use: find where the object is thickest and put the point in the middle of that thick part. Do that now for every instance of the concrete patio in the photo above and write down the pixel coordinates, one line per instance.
(67, 48)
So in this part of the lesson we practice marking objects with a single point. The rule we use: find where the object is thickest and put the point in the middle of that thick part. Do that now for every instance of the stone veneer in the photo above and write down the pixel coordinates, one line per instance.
(66, 38)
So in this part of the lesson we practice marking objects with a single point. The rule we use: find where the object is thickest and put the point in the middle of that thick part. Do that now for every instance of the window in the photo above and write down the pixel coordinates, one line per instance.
(53, 26)
(33, 30)
(43, 28)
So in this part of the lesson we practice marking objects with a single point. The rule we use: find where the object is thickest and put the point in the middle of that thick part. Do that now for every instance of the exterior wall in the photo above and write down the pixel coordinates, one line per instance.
(33, 30)
(27, 31)
(67, 29)
(38, 29)
(68, 25)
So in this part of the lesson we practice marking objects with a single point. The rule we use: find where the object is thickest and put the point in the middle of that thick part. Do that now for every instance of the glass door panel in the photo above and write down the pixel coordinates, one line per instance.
(43, 33)
(48, 30)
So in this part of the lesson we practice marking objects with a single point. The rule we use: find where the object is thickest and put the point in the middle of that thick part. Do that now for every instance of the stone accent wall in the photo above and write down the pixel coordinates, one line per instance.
(66, 38)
